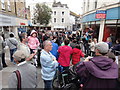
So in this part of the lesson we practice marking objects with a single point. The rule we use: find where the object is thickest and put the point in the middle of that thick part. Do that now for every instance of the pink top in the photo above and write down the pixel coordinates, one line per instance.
(33, 42)
(64, 57)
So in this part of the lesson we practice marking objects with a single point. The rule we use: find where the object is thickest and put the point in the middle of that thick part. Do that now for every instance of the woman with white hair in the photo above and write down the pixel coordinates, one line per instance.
(48, 64)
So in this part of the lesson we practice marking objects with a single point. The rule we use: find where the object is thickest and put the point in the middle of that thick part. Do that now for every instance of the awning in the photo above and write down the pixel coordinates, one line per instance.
(59, 27)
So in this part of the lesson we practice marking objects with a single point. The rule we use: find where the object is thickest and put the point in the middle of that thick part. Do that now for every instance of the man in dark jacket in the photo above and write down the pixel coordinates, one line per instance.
(99, 71)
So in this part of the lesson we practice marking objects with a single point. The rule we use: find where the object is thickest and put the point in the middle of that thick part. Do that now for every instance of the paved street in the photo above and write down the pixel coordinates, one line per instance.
(5, 73)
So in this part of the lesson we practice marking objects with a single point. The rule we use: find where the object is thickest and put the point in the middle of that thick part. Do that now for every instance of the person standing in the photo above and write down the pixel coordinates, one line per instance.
(12, 44)
(64, 54)
(48, 64)
(54, 50)
(28, 72)
(99, 72)
(85, 43)
(91, 47)
(1, 50)
(76, 54)
(24, 47)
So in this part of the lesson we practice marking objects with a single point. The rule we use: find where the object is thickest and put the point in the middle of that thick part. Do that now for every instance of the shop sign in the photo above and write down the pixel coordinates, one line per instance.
(22, 23)
(100, 14)
(21, 30)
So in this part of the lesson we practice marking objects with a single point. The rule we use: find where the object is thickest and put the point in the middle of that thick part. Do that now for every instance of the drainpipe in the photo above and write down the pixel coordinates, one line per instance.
(15, 7)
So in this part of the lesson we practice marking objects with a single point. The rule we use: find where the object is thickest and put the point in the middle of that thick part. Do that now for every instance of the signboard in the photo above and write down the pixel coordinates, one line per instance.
(21, 30)
(100, 14)
(22, 23)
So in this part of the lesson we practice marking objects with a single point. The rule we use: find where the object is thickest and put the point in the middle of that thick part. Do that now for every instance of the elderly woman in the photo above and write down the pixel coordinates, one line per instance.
(48, 64)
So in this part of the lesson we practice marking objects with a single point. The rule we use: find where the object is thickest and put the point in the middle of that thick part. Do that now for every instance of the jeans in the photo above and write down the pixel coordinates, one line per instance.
(12, 51)
(48, 84)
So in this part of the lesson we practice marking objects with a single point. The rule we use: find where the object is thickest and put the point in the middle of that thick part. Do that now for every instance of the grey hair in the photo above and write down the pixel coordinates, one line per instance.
(45, 43)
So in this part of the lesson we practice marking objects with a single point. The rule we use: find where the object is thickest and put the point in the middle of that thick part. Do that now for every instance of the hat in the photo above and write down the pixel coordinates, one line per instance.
(102, 47)
(33, 31)
(19, 54)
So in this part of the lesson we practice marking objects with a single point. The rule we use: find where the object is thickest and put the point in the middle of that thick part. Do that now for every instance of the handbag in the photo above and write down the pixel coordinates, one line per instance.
(18, 79)
(12, 43)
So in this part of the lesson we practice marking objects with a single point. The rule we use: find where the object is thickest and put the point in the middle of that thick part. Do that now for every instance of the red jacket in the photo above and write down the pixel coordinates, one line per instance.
(76, 55)
(64, 55)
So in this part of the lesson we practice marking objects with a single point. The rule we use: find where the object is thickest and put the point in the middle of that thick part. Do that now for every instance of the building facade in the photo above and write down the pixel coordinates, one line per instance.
(103, 28)
(12, 16)
(61, 18)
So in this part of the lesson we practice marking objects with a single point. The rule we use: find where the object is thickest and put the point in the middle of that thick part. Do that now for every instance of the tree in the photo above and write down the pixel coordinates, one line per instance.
(42, 14)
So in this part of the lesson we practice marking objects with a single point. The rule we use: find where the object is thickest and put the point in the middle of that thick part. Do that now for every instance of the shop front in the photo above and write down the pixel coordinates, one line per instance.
(22, 25)
(112, 27)
(7, 24)
(103, 28)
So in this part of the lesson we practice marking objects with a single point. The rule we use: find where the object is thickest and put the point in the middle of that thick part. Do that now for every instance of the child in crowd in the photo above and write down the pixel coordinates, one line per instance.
(91, 47)
(76, 54)
(33, 44)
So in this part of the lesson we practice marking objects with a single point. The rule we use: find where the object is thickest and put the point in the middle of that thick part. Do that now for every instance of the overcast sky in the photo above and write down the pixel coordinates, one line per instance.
(74, 5)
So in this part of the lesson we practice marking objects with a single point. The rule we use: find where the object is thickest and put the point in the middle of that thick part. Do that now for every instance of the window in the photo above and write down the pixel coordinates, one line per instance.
(95, 4)
(26, 16)
(54, 12)
(3, 4)
(62, 19)
(62, 13)
(88, 5)
(54, 19)
(9, 8)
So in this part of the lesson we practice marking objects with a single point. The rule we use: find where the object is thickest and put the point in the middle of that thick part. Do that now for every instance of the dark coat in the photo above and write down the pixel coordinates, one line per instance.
(99, 72)
(116, 49)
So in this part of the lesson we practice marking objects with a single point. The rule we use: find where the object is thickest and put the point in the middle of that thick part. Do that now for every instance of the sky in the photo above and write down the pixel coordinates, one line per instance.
(74, 5)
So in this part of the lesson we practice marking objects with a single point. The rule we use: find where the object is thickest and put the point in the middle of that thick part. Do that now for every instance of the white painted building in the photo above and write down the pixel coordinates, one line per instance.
(89, 5)
(60, 18)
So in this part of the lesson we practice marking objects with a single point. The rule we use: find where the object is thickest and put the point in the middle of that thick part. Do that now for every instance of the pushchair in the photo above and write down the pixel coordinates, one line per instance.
(67, 79)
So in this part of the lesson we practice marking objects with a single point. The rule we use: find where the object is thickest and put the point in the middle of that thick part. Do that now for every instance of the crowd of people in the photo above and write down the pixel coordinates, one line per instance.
(61, 49)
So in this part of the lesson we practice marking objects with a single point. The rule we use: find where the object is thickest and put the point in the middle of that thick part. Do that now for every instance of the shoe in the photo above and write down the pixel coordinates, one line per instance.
(4, 66)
